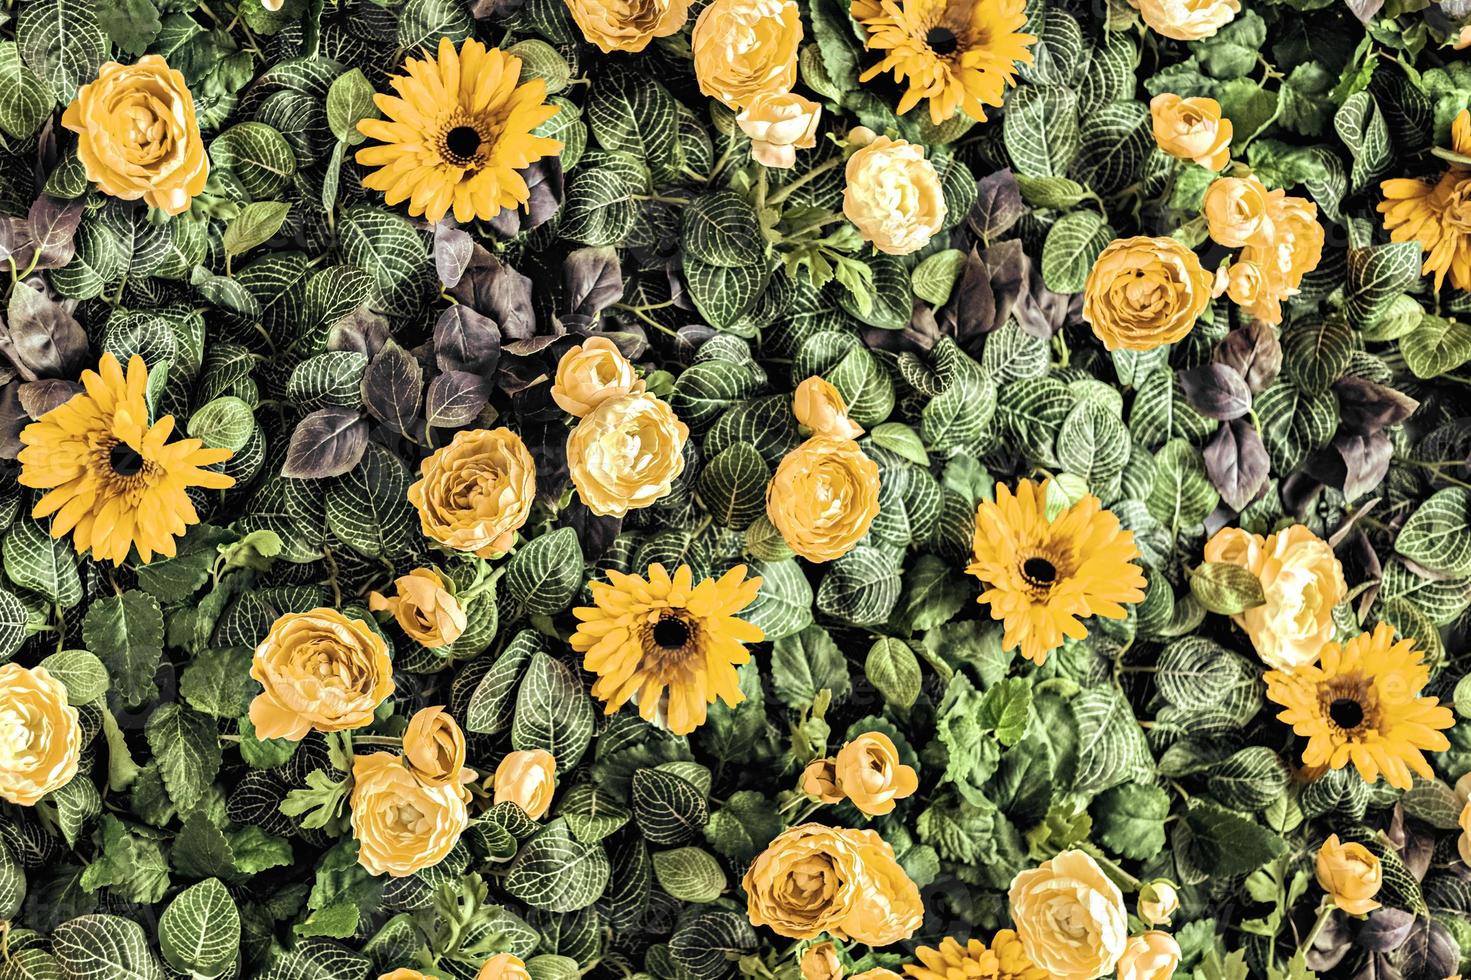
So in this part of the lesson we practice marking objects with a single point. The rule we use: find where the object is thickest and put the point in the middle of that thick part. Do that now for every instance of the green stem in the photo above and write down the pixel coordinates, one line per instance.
(785, 191)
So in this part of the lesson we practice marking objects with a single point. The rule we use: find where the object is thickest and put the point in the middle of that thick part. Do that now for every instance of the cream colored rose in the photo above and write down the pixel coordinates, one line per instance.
(626, 454)
(320, 670)
(746, 48)
(627, 25)
(893, 196)
(527, 778)
(821, 962)
(1191, 129)
(1070, 917)
(779, 124)
(1236, 211)
(1302, 582)
(475, 493)
(138, 136)
(591, 373)
(820, 407)
(1158, 902)
(434, 748)
(1234, 546)
(40, 735)
(1187, 20)
(1152, 956)
(402, 824)
(423, 608)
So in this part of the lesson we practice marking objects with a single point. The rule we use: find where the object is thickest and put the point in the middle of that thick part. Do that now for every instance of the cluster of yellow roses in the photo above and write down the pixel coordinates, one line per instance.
(866, 772)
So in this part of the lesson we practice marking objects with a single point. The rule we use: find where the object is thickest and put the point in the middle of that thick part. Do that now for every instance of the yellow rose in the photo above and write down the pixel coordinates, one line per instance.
(1463, 793)
(893, 196)
(1302, 581)
(1187, 20)
(423, 608)
(628, 25)
(402, 973)
(40, 735)
(820, 781)
(1350, 874)
(1143, 293)
(528, 779)
(871, 776)
(1070, 917)
(503, 966)
(1158, 902)
(137, 134)
(1290, 251)
(820, 407)
(320, 670)
(626, 454)
(745, 48)
(1236, 211)
(813, 879)
(402, 824)
(1152, 956)
(1245, 284)
(779, 124)
(1191, 129)
(823, 497)
(591, 373)
(434, 748)
(475, 493)
(877, 973)
(1234, 546)
(821, 962)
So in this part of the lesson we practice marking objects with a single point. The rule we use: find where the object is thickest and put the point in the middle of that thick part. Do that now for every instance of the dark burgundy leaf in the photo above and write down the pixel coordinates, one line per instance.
(1041, 312)
(1365, 461)
(40, 397)
(1237, 463)
(1216, 391)
(971, 310)
(1011, 272)
(1365, 407)
(328, 442)
(13, 418)
(393, 385)
(1365, 10)
(1386, 929)
(362, 331)
(998, 206)
(592, 281)
(594, 533)
(1255, 353)
(42, 339)
(52, 229)
(531, 345)
(452, 250)
(466, 340)
(500, 292)
(1428, 952)
(13, 240)
(455, 398)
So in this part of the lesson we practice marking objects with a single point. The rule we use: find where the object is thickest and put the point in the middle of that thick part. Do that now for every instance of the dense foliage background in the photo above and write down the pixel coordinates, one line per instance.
(330, 342)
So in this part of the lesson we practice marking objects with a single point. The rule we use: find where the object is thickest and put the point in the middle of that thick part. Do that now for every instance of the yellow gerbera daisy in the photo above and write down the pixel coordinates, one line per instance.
(114, 480)
(959, 54)
(457, 134)
(1044, 575)
(1361, 703)
(1004, 959)
(670, 646)
(1437, 215)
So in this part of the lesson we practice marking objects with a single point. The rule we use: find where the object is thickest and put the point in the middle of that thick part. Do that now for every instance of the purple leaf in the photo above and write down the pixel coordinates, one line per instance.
(452, 250)
(328, 442)
(1237, 463)
(43, 340)
(1366, 407)
(998, 206)
(40, 397)
(13, 418)
(500, 292)
(455, 398)
(1386, 929)
(1255, 353)
(592, 281)
(465, 340)
(1365, 461)
(52, 229)
(362, 331)
(1216, 391)
(392, 387)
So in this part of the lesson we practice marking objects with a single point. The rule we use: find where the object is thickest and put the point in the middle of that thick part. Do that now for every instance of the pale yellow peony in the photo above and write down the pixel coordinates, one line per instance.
(823, 497)
(1154, 955)
(527, 778)
(1187, 20)
(474, 494)
(1191, 129)
(1070, 917)
(401, 823)
(627, 25)
(893, 196)
(590, 374)
(779, 124)
(40, 735)
(746, 48)
(626, 454)
(320, 670)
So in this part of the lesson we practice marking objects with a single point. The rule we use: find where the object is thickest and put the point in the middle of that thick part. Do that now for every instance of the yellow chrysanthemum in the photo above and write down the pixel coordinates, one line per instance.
(668, 645)
(959, 54)
(114, 480)
(1004, 959)
(1044, 574)
(1361, 703)
(1437, 215)
(457, 134)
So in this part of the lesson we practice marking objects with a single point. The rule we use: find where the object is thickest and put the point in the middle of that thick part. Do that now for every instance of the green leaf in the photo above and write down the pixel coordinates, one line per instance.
(186, 747)
(806, 664)
(1228, 843)
(82, 673)
(1072, 245)
(258, 156)
(199, 932)
(935, 277)
(1040, 130)
(1437, 346)
(1130, 820)
(1007, 710)
(1111, 745)
(552, 712)
(254, 225)
(387, 248)
(1225, 588)
(61, 41)
(546, 572)
(1182, 494)
(1377, 276)
(733, 486)
(104, 947)
(42, 564)
(893, 670)
(226, 422)
(555, 872)
(26, 100)
(689, 874)
(668, 808)
(1438, 534)
(218, 682)
(722, 229)
(126, 633)
(349, 101)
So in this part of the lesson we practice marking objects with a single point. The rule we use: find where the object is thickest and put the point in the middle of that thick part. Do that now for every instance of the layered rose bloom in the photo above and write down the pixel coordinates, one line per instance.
(138, 136)
(870, 774)
(893, 196)
(779, 124)
(1236, 211)
(434, 748)
(403, 824)
(40, 735)
(626, 454)
(503, 966)
(627, 25)
(820, 407)
(320, 670)
(590, 374)
(423, 608)
(745, 48)
(1187, 20)
(1145, 292)
(1191, 129)
(474, 494)
(1070, 917)
(1153, 955)
(823, 497)
(1350, 874)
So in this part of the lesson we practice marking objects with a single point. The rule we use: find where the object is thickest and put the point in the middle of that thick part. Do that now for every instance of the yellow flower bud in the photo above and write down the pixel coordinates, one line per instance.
(434, 748)
(779, 124)
(820, 407)
(423, 608)
(1350, 874)
(1191, 129)
(871, 776)
(528, 779)
(591, 373)
(1158, 902)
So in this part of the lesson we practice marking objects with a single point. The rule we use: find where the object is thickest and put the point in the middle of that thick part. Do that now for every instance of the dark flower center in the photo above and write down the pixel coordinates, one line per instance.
(1039, 571)
(125, 460)
(1346, 713)
(462, 141)
(942, 40)
(671, 633)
